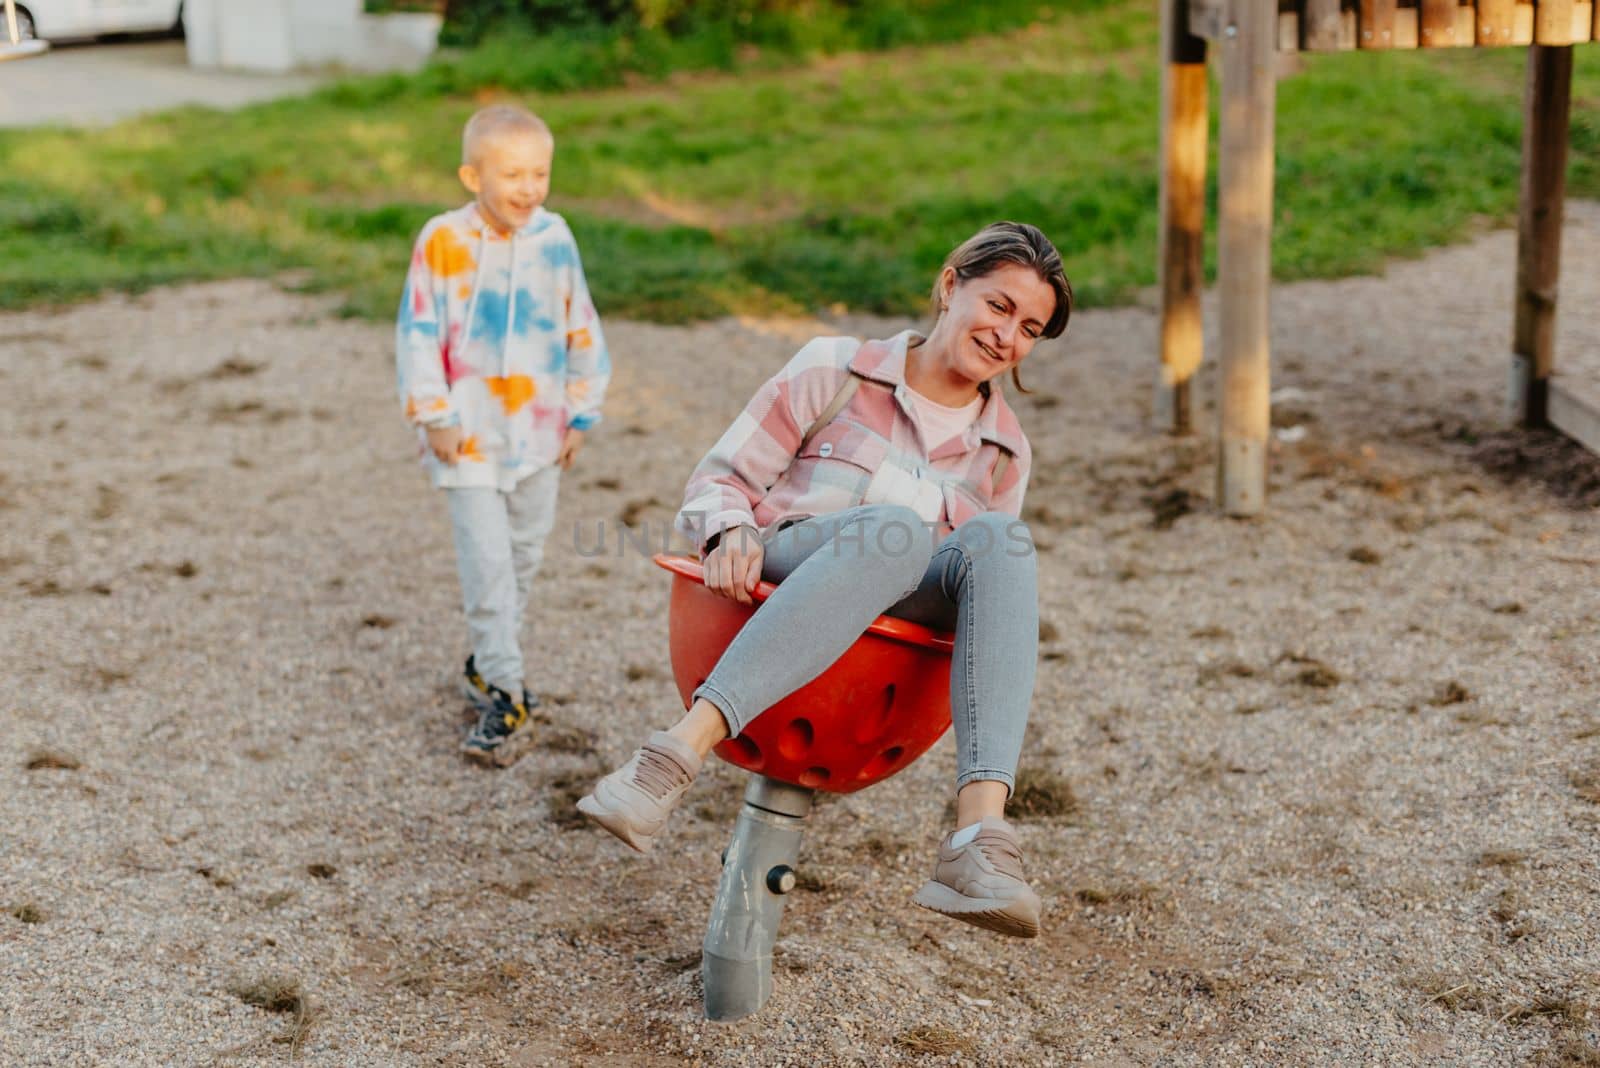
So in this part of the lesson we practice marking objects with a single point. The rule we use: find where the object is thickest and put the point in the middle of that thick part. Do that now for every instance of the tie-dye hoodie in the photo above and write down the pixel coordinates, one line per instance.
(497, 335)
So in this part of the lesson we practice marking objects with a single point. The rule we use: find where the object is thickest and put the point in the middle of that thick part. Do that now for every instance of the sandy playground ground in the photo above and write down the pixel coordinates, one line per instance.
(1319, 788)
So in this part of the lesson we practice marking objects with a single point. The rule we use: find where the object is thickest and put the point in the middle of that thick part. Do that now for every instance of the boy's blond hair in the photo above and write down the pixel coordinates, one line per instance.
(497, 120)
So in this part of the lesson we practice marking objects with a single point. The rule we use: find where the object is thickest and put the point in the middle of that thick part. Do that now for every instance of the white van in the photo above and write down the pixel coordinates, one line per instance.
(56, 20)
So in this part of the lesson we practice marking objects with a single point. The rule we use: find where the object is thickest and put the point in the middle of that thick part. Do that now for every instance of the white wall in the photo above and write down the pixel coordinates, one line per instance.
(275, 36)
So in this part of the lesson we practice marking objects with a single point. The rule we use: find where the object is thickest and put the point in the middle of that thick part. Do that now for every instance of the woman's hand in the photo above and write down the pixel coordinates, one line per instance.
(733, 569)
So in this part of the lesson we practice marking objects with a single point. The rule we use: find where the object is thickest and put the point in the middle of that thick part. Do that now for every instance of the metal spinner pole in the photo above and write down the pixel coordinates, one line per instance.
(757, 872)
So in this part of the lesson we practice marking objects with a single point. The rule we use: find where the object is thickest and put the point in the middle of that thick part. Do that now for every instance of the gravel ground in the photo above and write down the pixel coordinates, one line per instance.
(1319, 788)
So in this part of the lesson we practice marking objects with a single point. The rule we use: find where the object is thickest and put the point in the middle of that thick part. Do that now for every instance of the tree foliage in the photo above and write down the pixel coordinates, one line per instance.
(466, 21)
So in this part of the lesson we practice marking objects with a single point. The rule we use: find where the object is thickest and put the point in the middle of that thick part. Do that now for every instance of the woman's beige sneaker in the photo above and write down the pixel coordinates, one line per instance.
(981, 883)
(634, 801)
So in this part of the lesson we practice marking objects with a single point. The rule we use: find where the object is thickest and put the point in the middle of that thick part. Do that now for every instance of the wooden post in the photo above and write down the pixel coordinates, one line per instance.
(1183, 215)
(1320, 29)
(1377, 23)
(1552, 22)
(1406, 28)
(1546, 104)
(1439, 23)
(1497, 21)
(1244, 253)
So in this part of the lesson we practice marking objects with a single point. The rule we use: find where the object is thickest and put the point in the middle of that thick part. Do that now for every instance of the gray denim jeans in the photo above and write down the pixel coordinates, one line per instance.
(839, 572)
(499, 545)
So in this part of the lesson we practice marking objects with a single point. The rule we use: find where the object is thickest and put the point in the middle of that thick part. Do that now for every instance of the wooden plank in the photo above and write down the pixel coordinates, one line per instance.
(1377, 24)
(1288, 31)
(1595, 23)
(1405, 28)
(1466, 26)
(1582, 21)
(1320, 27)
(1546, 106)
(1438, 24)
(1522, 25)
(1244, 254)
(1184, 121)
(1496, 21)
(1208, 19)
(1575, 409)
(1552, 22)
(1347, 29)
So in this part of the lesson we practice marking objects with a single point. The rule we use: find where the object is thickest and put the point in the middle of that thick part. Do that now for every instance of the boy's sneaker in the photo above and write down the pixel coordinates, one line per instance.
(476, 689)
(634, 801)
(503, 720)
(981, 882)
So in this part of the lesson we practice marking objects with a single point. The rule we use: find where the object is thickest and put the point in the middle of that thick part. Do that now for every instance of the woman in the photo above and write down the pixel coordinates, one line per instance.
(884, 476)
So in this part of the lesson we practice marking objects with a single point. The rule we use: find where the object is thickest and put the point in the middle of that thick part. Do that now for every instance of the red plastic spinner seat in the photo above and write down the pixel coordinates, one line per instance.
(878, 708)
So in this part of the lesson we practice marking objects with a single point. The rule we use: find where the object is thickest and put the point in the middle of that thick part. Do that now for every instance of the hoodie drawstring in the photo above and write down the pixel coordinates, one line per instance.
(511, 307)
(472, 301)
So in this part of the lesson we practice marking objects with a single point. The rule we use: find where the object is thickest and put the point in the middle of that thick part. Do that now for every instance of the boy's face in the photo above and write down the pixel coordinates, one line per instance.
(510, 176)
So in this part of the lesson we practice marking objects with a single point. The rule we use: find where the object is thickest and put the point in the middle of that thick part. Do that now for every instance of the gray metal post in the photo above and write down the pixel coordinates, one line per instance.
(757, 872)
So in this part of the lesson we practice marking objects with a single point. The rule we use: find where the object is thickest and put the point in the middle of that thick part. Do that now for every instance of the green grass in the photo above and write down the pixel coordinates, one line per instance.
(792, 185)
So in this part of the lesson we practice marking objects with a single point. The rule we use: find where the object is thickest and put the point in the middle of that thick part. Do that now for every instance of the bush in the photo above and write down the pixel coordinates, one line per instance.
(787, 25)
(384, 7)
(467, 21)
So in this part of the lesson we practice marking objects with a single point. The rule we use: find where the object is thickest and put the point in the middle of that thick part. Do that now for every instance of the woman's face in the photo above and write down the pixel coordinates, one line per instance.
(993, 321)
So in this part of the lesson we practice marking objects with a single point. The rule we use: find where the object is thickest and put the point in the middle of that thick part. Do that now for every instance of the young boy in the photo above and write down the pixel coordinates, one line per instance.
(502, 369)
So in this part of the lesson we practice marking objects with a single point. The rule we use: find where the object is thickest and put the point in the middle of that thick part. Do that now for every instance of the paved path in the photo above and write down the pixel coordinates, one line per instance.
(100, 83)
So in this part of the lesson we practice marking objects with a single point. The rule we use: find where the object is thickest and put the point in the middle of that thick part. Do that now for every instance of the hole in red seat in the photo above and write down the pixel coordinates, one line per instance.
(794, 742)
(882, 764)
(749, 751)
(873, 722)
(815, 777)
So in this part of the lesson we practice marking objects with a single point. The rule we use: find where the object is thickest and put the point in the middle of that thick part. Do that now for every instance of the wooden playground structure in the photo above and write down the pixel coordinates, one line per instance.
(1248, 33)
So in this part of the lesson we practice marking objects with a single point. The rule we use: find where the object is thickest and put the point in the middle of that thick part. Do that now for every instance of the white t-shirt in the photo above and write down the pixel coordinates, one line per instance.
(893, 484)
(939, 424)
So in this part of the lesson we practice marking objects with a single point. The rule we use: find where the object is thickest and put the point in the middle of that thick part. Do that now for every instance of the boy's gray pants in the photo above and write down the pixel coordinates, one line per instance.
(499, 543)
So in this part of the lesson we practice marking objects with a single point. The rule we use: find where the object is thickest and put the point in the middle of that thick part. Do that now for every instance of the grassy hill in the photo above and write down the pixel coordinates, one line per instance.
(784, 183)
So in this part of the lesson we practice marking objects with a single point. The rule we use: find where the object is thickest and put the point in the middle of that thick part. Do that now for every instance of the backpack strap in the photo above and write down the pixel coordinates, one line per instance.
(847, 390)
(1000, 464)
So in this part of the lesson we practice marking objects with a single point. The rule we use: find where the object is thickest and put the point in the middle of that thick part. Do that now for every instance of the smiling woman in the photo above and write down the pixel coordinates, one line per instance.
(872, 478)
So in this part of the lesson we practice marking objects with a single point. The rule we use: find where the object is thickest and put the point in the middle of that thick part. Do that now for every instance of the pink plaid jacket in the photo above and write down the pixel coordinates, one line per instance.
(872, 452)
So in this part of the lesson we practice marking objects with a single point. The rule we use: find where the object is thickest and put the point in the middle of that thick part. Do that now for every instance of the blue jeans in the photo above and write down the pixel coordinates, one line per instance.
(839, 572)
